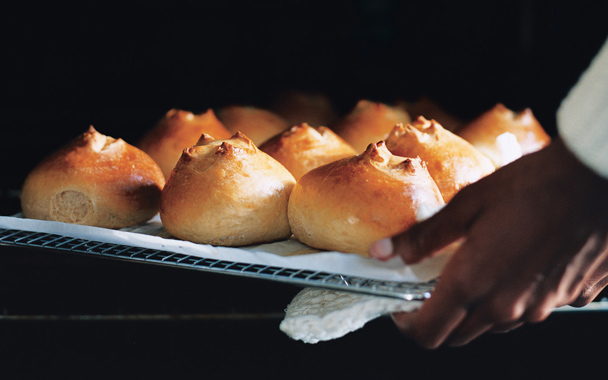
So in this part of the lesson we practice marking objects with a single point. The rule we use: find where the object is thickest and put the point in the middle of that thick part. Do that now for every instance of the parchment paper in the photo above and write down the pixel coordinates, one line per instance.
(288, 253)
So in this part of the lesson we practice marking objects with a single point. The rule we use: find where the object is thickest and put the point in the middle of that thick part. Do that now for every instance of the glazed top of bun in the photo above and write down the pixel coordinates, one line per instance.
(452, 161)
(369, 122)
(302, 148)
(176, 131)
(94, 180)
(348, 204)
(258, 124)
(489, 132)
(227, 192)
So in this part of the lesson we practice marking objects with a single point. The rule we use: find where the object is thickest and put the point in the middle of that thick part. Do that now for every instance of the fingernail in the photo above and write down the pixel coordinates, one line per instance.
(402, 320)
(381, 249)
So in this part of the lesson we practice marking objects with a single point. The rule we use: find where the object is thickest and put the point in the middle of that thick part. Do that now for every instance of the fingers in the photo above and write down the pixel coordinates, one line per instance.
(506, 327)
(458, 322)
(382, 249)
(590, 292)
(594, 286)
(424, 238)
(491, 314)
(463, 307)
(518, 260)
(475, 294)
(439, 316)
(413, 326)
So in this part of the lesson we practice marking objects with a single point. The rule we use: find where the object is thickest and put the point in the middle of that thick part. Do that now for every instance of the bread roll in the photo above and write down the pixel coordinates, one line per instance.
(176, 131)
(256, 123)
(94, 180)
(451, 161)
(504, 135)
(302, 148)
(227, 192)
(348, 204)
(369, 122)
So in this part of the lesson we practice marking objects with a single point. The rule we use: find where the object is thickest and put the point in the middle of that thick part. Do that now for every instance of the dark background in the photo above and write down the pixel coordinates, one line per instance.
(121, 66)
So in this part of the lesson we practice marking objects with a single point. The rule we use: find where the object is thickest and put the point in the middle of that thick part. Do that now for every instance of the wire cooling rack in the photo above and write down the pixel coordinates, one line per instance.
(304, 278)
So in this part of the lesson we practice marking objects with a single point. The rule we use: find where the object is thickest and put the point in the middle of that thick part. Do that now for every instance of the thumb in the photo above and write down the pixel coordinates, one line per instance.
(431, 235)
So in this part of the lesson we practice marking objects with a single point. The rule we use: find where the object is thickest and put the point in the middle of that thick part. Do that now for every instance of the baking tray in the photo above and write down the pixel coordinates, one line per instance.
(304, 278)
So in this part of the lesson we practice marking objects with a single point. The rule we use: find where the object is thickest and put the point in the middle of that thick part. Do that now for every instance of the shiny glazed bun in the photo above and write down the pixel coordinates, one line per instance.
(227, 192)
(451, 161)
(348, 204)
(369, 122)
(256, 123)
(94, 180)
(504, 135)
(302, 148)
(176, 131)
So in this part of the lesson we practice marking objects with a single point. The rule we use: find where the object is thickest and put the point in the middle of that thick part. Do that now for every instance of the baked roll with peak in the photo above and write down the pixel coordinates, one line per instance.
(176, 131)
(348, 204)
(257, 124)
(504, 135)
(302, 148)
(451, 161)
(369, 122)
(94, 180)
(227, 192)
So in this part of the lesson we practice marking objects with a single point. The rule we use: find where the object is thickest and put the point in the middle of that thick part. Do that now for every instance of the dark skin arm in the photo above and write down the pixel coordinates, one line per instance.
(534, 237)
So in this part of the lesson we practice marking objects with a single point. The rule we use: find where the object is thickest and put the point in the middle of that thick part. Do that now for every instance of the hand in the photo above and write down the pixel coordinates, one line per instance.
(592, 287)
(534, 237)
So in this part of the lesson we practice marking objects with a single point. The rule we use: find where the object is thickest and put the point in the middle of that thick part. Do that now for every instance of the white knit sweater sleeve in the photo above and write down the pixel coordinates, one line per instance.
(582, 118)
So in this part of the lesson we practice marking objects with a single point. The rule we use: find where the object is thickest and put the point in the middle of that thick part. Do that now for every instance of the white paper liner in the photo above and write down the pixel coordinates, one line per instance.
(287, 253)
(314, 314)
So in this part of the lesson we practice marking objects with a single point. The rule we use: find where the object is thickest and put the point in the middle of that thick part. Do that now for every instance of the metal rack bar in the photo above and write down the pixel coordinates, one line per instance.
(300, 277)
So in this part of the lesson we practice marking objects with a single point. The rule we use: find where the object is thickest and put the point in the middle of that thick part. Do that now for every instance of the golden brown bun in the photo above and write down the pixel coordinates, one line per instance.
(299, 107)
(176, 131)
(227, 192)
(350, 203)
(94, 180)
(303, 148)
(256, 123)
(369, 122)
(452, 161)
(484, 130)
